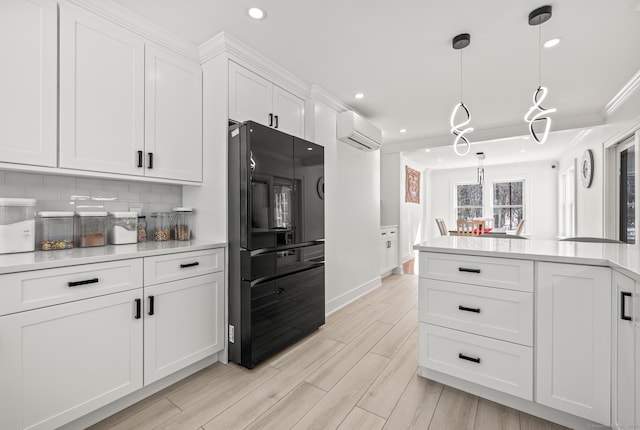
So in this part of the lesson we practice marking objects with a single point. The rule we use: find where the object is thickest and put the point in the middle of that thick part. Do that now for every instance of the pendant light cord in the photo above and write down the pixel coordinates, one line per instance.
(461, 76)
(539, 56)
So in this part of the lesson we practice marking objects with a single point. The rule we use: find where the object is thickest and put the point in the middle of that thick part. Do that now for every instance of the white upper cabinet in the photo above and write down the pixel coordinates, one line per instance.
(28, 81)
(101, 95)
(573, 348)
(254, 98)
(173, 116)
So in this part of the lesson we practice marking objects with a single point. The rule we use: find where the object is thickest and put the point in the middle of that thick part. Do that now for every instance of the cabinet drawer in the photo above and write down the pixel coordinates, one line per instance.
(494, 312)
(29, 290)
(496, 364)
(165, 268)
(468, 269)
(388, 232)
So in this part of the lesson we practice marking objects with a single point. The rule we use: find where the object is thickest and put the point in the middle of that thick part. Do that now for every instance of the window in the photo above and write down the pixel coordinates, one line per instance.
(468, 201)
(508, 206)
(627, 191)
(567, 202)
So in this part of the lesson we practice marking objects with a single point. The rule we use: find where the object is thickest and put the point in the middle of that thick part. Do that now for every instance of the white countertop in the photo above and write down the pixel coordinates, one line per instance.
(625, 258)
(25, 261)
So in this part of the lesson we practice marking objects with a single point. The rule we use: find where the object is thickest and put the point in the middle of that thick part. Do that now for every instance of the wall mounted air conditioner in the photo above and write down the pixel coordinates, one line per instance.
(358, 132)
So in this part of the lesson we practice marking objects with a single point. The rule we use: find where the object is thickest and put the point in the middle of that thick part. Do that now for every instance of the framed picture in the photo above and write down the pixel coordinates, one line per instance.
(412, 185)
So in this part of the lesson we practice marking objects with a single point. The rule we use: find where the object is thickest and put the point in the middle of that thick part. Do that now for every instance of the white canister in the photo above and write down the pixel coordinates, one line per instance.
(17, 225)
(123, 228)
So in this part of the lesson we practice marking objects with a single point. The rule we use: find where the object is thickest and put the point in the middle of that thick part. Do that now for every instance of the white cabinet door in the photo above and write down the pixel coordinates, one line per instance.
(624, 398)
(250, 96)
(28, 81)
(101, 94)
(392, 253)
(573, 339)
(61, 362)
(289, 112)
(183, 322)
(383, 255)
(173, 116)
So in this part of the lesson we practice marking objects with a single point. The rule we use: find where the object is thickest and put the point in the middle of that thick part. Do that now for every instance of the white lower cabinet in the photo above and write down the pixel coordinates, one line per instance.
(182, 324)
(573, 340)
(388, 249)
(61, 362)
(624, 352)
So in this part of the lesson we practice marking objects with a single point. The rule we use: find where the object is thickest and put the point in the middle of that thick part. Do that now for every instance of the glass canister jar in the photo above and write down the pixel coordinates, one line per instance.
(161, 226)
(54, 230)
(182, 219)
(17, 225)
(90, 229)
(123, 227)
(142, 228)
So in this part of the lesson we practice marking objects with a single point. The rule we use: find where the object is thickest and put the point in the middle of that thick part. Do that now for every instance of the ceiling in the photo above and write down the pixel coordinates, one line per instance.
(399, 54)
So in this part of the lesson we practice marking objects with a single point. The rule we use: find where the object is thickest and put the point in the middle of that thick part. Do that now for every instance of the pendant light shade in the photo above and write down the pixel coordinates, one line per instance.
(538, 115)
(480, 156)
(461, 144)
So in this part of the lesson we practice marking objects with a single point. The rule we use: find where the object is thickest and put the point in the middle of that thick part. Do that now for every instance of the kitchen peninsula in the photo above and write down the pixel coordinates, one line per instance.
(542, 326)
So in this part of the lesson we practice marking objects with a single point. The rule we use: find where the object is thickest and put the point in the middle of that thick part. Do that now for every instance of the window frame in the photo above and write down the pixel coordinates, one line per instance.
(492, 207)
(456, 207)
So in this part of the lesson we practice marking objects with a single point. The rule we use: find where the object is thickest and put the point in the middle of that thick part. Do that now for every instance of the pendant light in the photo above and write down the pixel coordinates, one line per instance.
(538, 17)
(480, 156)
(459, 42)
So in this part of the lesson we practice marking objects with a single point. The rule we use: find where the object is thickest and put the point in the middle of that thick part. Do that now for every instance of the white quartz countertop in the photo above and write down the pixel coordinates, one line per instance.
(625, 258)
(25, 261)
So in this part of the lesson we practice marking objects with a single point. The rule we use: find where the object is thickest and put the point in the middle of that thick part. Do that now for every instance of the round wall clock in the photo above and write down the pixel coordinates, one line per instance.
(320, 187)
(586, 168)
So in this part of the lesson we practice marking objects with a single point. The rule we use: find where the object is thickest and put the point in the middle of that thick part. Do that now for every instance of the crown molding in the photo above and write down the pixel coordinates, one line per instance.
(123, 17)
(623, 95)
(318, 93)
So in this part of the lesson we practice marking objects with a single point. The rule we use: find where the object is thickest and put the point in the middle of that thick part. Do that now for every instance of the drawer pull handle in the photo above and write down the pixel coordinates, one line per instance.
(279, 290)
(623, 302)
(464, 308)
(138, 309)
(384, 234)
(151, 305)
(466, 269)
(182, 266)
(85, 282)
(466, 357)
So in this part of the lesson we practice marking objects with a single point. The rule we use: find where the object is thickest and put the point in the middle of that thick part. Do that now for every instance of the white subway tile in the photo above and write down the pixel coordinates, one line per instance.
(1, 178)
(172, 199)
(126, 196)
(150, 197)
(75, 195)
(59, 182)
(117, 186)
(41, 193)
(104, 195)
(139, 187)
(11, 191)
(116, 206)
(90, 184)
(23, 179)
(54, 205)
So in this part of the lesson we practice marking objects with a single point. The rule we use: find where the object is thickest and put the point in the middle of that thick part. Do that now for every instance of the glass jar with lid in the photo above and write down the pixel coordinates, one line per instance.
(142, 228)
(161, 226)
(54, 230)
(17, 225)
(90, 229)
(182, 220)
(123, 227)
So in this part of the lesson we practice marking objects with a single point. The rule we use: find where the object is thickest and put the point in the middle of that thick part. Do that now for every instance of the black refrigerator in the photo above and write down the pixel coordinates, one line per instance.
(276, 241)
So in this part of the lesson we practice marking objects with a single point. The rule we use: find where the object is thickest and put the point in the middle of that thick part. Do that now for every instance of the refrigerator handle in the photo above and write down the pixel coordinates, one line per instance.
(270, 120)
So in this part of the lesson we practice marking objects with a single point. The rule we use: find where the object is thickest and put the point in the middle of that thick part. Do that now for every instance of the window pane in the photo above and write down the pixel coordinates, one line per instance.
(469, 213)
(469, 195)
(507, 217)
(627, 196)
(507, 193)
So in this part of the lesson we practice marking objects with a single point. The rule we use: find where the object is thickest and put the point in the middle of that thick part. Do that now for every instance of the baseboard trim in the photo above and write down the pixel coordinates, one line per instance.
(523, 405)
(344, 299)
(123, 403)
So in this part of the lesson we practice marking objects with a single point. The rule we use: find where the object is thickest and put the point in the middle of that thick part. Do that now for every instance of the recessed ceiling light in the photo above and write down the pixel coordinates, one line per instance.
(256, 13)
(403, 130)
(359, 95)
(439, 160)
(523, 150)
(427, 150)
(552, 42)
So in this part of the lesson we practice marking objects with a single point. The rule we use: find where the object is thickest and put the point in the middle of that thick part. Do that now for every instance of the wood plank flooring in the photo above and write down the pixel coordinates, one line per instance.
(358, 371)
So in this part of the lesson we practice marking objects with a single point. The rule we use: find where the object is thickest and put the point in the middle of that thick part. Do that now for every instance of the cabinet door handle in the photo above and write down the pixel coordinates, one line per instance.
(464, 308)
(466, 269)
(466, 357)
(182, 266)
(140, 154)
(85, 282)
(276, 117)
(138, 308)
(150, 165)
(388, 244)
(270, 120)
(151, 305)
(623, 308)
(384, 234)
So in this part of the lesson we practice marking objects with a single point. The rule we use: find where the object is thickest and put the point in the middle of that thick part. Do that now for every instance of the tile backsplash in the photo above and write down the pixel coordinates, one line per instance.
(67, 193)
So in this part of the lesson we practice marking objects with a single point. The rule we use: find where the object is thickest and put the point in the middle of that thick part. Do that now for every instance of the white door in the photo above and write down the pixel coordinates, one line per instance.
(183, 323)
(173, 116)
(101, 95)
(289, 112)
(28, 81)
(62, 362)
(624, 346)
(250, 96)
(573, 339)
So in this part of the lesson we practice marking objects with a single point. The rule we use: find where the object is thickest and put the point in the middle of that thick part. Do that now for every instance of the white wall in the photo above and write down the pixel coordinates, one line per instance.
(541, 189)
(352, 214)
(390, 186)
(411, 214)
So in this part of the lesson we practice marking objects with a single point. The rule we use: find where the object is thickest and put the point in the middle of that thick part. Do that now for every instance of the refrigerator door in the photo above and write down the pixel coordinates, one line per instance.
(308, 169)
(267, 187)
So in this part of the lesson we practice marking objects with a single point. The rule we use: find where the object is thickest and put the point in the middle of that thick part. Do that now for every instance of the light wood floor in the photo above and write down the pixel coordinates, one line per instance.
(356, 372)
